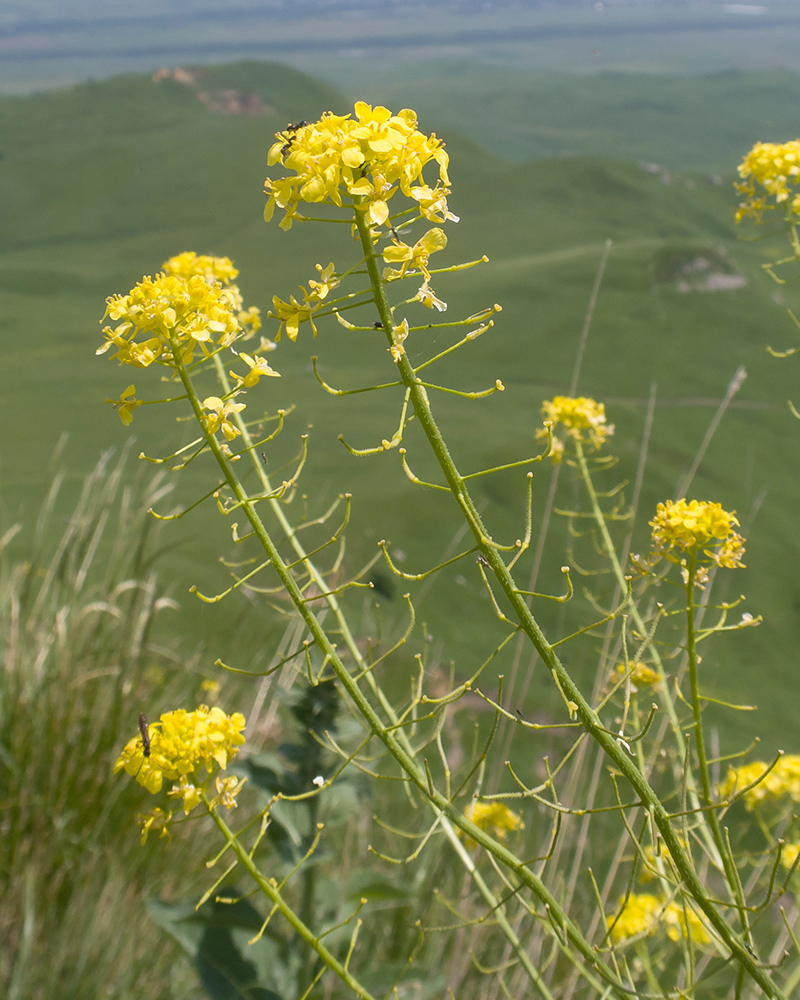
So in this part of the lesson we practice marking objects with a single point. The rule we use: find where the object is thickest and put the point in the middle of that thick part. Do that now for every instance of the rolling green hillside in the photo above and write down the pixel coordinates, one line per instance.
(99, 184)
(701, 122)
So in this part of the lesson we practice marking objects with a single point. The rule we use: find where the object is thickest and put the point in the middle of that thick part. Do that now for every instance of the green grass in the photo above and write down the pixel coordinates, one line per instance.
(102, 182)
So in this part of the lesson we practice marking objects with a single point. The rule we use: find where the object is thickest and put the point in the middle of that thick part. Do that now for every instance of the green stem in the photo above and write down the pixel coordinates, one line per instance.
(586, 714)
(492, 901)
(700, 745)
(622, 583)
(555, 911)
(270, 890)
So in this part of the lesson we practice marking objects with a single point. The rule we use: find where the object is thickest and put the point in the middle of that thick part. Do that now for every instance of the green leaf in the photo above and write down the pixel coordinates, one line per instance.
(213, 939)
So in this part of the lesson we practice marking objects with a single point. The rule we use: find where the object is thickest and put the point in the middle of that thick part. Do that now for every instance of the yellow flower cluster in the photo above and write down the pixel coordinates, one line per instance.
(689, 525)
(365, 157)
(180, 743)
(193, 303)
(211, 268)
(583, 418)
(494, 818)
(783, 781)
(644, 913)
(169, 311)
(217, 269)
(774, 167)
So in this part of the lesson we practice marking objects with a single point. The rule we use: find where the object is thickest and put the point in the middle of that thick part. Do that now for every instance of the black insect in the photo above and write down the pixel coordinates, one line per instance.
(377, 325)
(291, 129)
(144, 729)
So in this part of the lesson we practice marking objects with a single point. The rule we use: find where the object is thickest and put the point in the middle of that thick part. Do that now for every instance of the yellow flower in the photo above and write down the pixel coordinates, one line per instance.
(428, 298)
(689, 525)
(636, 915)
(292, 314)
(328, 281)
(126, 404)
(494, 818)
(365, 158)
(186, 791)
(218, 417)
(776, 168)
(583, 418)
(682, 922)
(644, 913)
(433, 203)
(781, 782)
(789, 853)
(416, 256)
(258, 368)
(227, 790)
(180, 743)
(156, 819)
(640, 673)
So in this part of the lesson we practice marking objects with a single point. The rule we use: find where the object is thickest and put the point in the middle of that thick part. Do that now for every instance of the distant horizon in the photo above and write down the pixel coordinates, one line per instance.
(48, 45)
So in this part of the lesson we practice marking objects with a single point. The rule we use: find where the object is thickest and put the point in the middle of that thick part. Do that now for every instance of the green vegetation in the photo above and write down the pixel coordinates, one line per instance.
(103, 182)
(89, 644)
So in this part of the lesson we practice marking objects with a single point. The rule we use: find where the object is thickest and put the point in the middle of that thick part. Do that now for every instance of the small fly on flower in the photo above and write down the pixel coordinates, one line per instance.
(144, 729)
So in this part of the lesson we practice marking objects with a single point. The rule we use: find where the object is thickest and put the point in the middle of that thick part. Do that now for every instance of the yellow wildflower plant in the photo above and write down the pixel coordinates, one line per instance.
(782, 782)
(494, 818)
(180, 743)
(775, 168)
(583, 418)
(364, 157)
(690, 525)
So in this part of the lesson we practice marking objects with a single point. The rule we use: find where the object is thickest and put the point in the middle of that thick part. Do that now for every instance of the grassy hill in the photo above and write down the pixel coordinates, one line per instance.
(102, 182)
(700, 122)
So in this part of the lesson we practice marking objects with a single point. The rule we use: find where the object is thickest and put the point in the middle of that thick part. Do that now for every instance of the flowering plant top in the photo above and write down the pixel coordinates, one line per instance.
(181, 742)
(365, 157)
(775, 167)
(687, 525)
